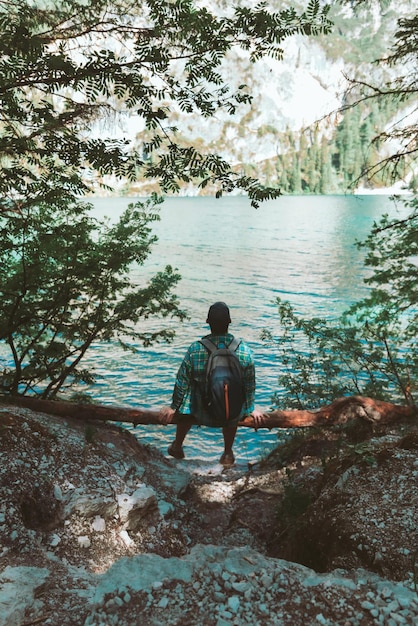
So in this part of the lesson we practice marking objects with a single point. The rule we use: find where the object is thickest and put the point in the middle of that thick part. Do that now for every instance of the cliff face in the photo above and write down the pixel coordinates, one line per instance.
(97, 529)
(295, 103)
(287, 95)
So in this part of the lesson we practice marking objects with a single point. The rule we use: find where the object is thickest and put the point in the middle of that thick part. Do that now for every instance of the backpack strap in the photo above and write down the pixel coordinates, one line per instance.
(209, 345)
(234, 344)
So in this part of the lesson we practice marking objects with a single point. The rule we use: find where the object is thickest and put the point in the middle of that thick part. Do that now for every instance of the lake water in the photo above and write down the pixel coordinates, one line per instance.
(300, 248)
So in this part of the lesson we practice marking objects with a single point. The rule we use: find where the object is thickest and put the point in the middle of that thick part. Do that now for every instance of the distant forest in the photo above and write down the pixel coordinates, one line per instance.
(334, 156)
(315, 162)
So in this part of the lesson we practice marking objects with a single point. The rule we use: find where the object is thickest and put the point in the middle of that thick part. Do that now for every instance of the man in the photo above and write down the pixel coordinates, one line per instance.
(188, 394)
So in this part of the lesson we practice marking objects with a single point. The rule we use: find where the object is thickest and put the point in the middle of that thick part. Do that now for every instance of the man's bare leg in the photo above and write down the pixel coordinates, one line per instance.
(181, 431)
(176, 448)
(229, 437)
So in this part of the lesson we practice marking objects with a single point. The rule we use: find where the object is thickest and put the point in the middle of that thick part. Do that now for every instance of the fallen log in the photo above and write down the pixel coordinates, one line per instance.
(340, 411)
(343, 410)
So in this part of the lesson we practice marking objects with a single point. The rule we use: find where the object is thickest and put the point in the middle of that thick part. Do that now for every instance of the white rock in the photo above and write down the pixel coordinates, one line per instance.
(83, 541)
(99, 524)
(126, 538)
(17, 586)
(165, 507)
(242, 586)
(157, 584)
(133, 507)
(100, 502)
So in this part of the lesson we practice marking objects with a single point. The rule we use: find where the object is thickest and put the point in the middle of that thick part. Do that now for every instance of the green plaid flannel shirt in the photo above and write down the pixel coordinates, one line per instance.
(190, 381)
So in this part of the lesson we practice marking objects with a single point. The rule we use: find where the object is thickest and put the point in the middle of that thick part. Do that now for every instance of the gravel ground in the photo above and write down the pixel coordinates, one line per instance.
(96, 529)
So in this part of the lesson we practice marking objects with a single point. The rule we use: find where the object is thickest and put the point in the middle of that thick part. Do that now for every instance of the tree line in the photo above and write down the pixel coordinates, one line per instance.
(331, 158)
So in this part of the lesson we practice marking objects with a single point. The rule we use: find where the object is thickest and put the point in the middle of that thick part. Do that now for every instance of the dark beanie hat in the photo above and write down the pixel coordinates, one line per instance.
(218, 314)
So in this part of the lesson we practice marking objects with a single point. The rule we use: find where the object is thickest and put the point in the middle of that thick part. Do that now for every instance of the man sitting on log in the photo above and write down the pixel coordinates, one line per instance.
(219, 397)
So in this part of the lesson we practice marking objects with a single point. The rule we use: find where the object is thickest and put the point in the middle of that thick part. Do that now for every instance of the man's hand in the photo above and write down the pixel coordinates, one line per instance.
(166, 414)
(258, 417)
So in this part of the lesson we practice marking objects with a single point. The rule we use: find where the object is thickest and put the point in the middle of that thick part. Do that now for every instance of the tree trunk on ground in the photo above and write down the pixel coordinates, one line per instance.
(340, 411)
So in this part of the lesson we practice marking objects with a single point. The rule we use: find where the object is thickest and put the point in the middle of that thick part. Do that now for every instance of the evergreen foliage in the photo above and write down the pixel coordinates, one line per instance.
(317, 162)
(355, 147)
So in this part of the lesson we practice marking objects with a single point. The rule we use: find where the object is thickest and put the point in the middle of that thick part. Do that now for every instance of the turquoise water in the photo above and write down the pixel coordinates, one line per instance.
(298, 248)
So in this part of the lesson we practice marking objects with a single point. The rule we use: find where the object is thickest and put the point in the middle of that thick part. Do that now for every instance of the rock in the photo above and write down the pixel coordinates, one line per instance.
(132, 508)
(83, 541)
(58, 493)
(18, 586)
(124, 535)
(99, 524)
(91, 504)
(233, 603)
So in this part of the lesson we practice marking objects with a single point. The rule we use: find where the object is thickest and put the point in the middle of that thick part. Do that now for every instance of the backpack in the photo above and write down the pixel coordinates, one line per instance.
(224, 386)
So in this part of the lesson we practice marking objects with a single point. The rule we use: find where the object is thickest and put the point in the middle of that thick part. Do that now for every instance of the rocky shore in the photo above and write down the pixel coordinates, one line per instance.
(97, 529)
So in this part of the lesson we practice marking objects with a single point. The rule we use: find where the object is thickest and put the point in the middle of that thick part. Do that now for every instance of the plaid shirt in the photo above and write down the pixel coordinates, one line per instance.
(190, 381)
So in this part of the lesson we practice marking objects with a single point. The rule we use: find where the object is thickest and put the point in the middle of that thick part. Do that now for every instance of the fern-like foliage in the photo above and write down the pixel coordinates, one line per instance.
(66, 66)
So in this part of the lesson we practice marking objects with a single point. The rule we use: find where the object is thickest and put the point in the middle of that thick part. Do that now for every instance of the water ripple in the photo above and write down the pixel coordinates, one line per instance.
(298, 248)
